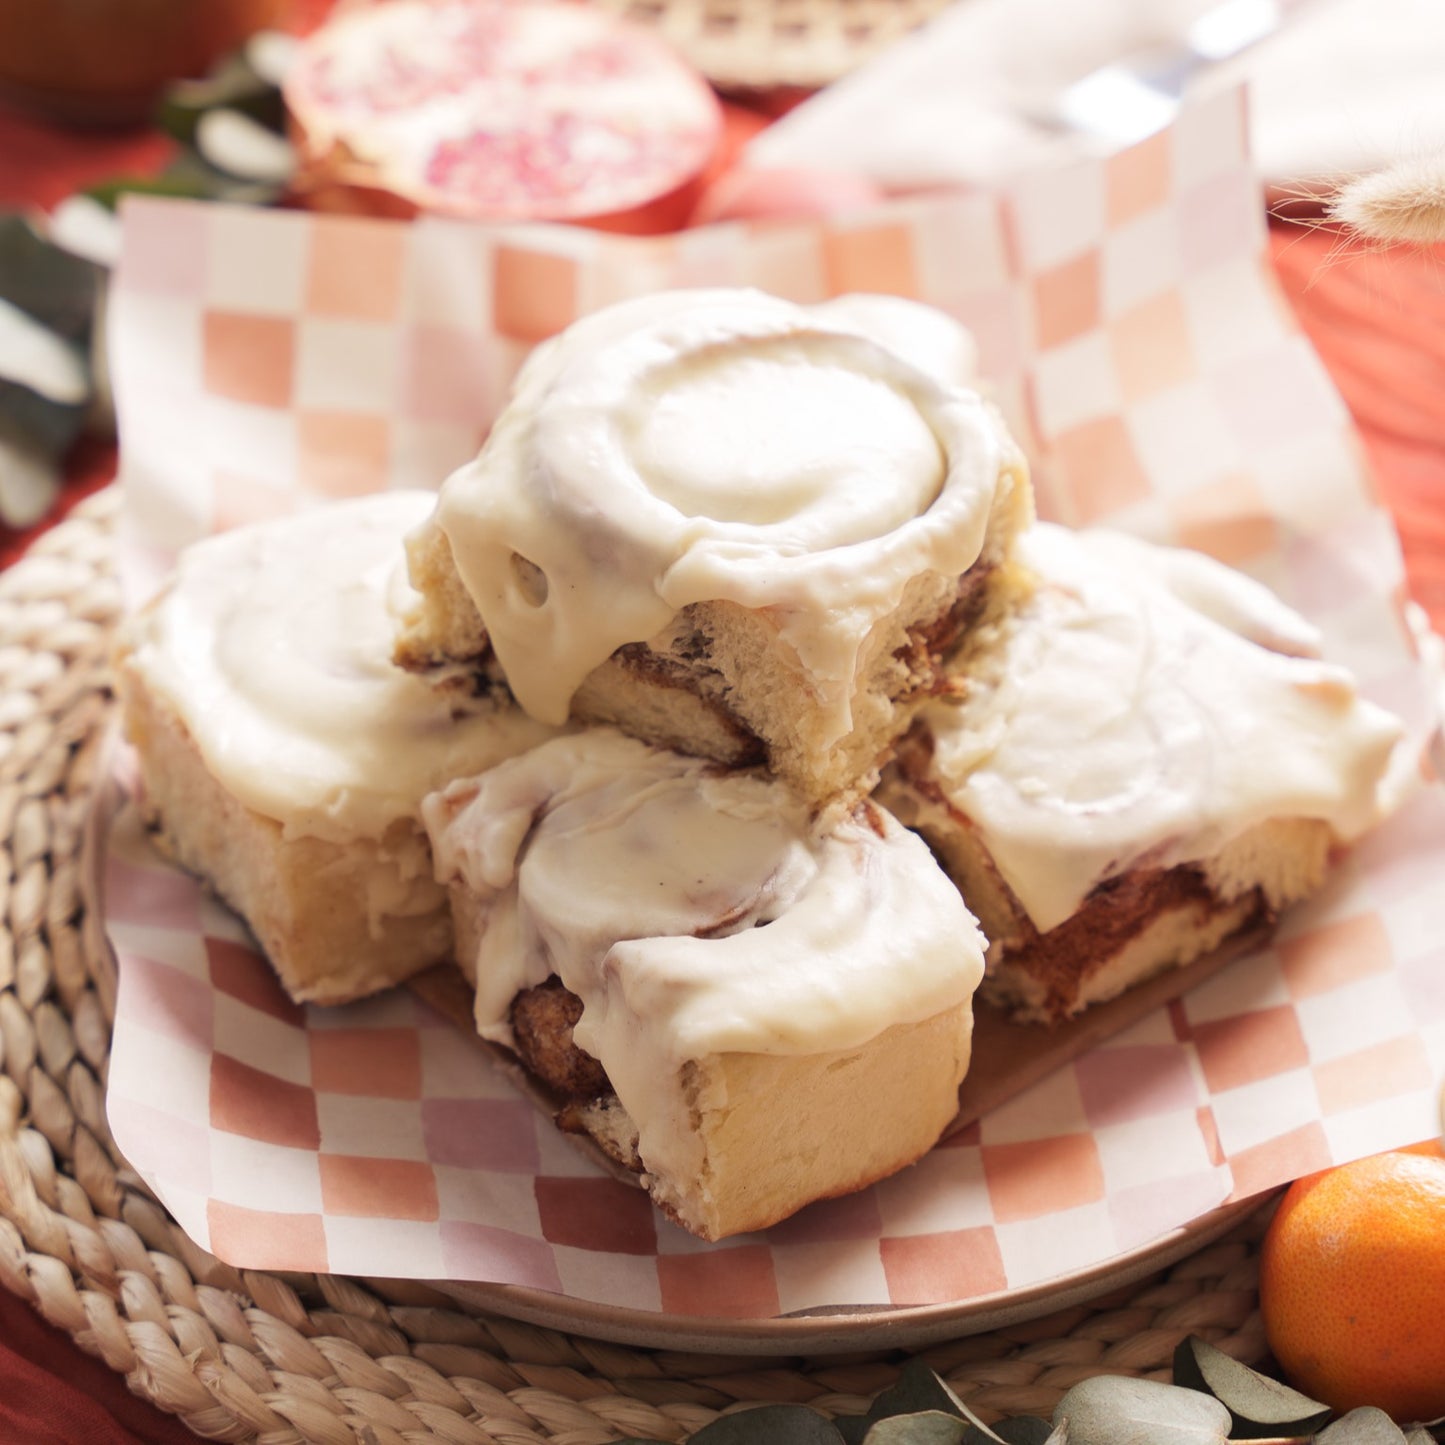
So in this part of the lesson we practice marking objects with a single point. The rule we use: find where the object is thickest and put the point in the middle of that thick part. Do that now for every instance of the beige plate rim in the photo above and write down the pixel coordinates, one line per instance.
(844, 1328)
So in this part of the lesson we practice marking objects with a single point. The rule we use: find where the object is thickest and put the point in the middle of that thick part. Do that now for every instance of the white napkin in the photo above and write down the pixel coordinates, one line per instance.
(1345, 86)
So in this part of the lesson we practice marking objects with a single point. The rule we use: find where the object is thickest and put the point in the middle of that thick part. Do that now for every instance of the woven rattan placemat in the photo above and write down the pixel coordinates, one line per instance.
(243, 1355)
(745, 45)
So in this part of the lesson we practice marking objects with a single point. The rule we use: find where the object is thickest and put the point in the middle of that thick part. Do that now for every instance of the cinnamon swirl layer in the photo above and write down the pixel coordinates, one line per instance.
(713, 933)
(1145, 756)
(284, 757)
(772, 502)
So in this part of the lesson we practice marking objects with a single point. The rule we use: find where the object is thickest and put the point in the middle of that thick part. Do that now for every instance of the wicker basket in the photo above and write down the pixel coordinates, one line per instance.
(743, 45)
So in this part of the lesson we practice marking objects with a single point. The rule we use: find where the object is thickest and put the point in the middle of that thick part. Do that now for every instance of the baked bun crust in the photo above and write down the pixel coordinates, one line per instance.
(751, 1009)
(1141, 759)
(729, 526)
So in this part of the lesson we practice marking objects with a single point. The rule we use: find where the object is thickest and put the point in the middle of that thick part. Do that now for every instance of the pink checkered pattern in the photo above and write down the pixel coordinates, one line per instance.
(1132, 333)
(379, 1139)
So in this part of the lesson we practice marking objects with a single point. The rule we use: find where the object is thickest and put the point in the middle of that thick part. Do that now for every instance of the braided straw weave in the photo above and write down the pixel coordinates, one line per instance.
(771, 44)
(279, 1359)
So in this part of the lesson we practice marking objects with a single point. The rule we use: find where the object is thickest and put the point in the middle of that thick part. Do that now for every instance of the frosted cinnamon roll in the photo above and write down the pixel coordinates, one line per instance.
(284, 757)
(751, 1012)
(729, 525)
(1145, 758)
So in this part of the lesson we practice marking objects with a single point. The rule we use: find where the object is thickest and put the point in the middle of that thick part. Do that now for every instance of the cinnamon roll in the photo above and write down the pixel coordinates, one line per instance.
(729, 525)
(284, 757)
(750, 1008)
(1144, 757)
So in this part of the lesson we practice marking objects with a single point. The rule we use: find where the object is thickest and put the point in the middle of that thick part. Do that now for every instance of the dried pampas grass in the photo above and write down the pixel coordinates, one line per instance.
(1402, 204)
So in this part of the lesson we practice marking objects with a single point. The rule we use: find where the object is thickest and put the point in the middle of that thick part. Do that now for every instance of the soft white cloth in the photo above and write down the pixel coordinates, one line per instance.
(1344, 86)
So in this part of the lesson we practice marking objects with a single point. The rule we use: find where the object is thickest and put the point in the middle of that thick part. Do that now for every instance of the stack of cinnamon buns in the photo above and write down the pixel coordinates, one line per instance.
(631, 718)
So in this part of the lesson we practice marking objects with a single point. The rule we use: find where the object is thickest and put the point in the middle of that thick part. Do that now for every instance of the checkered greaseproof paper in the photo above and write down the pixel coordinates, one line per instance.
(1127, 317)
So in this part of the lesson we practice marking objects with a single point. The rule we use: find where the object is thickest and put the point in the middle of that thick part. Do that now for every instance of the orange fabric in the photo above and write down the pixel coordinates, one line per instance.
(52, 1394)
(1377, 319)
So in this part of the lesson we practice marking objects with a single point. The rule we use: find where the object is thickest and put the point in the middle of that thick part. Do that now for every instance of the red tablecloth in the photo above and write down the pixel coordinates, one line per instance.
(1377, 319)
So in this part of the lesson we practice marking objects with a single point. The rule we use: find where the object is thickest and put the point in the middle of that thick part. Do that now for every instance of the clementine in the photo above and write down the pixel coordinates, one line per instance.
(1352, 1284)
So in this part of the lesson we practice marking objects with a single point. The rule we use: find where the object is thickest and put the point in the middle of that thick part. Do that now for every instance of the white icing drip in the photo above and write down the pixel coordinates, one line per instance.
(639, 877)
(273, 644)
(716, 446)
(1126, 715)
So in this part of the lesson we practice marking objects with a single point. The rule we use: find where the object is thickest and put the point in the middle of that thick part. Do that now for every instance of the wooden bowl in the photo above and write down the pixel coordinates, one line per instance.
(105, 62)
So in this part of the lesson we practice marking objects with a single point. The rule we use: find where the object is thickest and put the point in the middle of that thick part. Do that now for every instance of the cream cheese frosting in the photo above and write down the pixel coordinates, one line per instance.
(721, 446)
(694, 913)
(928, 338)
(1147, 705)
(272, 643)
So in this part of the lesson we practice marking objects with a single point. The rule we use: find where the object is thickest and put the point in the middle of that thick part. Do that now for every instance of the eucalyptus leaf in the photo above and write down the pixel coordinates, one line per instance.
(770, 1425)
(29, 483)
(1120, 1410)
(46, 282)
(1259, 1406)
(213, 185)
(187, 178)
(916, 1390)
(1365, 1426)
(178, 187)
(43, 426)
(238, 146)
(235, 84)
(1024, 1430)
(927, 1427)
(35, 357)
(85, 228)
(270, 54)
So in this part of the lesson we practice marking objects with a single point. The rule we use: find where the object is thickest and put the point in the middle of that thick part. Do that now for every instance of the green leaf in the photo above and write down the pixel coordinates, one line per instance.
(45, 282)
(45, 389)
(38, 359)
(234, 84)
(1120, 1410)
(213, 185)
(233, 143)
(927, 1427)
(1259, 1406)
(770, 1425)
(180, 188)
(81, 227)
(917, 1391)
(187, 178)
(1365, 1426)
(271, 54)
(44, 426)
(29, 482)
(1024, 1430)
